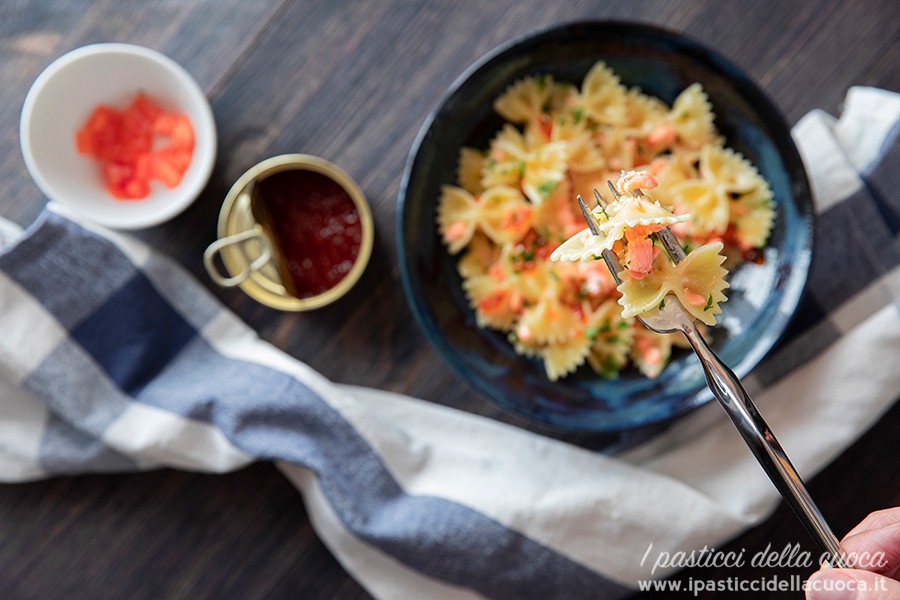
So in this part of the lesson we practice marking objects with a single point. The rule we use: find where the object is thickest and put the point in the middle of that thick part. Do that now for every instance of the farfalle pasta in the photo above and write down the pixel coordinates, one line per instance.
(513, 205)
(698, 282)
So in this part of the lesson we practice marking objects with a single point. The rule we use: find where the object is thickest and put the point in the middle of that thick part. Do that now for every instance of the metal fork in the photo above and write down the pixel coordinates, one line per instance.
(727, 388)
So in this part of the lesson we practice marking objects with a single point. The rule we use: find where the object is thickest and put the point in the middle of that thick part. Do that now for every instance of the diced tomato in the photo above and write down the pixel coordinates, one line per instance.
(142, 167)
(164, 124)
(103, 119)
(165, 171)
(136, 127)
(130, 148)
(144, 107)
(136, 188)
(123, 144)
(116, 173)
(116, 191)
(182, 133)
(177, 157)
(85, 142)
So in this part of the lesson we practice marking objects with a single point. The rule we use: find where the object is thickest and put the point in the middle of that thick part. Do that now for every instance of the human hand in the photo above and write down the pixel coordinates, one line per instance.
(876, 544)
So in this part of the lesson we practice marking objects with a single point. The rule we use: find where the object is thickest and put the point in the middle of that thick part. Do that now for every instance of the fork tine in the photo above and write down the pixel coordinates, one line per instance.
(614, 267)
(613, 189)
(589, 217)
(671, 244)
(601, 202)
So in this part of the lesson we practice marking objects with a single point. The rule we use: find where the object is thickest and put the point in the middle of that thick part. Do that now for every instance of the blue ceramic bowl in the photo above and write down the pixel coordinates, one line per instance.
(761, 300)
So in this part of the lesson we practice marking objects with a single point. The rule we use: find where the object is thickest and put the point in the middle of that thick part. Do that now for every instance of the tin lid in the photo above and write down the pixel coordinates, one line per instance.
(265, 285)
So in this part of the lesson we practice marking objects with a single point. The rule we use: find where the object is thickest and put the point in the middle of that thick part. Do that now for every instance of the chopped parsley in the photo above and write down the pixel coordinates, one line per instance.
(662, 304)
(546, 188)
(577, 115)
(528, 255)
(521, 166)
(622, 324)
(609, 367)
(592, 332)
(709, 303)
(490, 163)
(553, 275)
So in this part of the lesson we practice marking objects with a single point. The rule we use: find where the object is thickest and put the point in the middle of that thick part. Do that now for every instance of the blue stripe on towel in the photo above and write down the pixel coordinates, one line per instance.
(883, 182)
(855, 246)
(65, 449)
(273, 416)
(134, 334)
(91, 401)
(69, 271)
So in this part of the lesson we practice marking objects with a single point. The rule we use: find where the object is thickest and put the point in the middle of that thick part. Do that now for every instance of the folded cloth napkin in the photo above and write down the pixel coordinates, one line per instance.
(113, 359)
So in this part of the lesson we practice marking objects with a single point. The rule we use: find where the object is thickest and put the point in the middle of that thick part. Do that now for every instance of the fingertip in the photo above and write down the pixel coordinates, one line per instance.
(831, 584)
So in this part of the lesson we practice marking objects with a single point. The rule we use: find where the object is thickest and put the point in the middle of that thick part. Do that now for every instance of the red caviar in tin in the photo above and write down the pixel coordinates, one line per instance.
(316, 226)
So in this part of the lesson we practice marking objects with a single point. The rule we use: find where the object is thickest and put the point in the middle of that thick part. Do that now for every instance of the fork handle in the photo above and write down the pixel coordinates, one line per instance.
(734, 399)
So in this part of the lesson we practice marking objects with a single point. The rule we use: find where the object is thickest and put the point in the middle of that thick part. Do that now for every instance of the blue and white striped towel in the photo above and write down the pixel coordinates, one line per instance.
(118, 360)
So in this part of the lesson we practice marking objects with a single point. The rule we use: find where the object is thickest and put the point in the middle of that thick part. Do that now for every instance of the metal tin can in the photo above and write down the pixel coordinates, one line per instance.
(245, 248)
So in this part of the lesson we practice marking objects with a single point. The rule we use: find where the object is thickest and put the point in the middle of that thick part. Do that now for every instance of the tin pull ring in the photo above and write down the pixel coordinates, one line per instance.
(248, 263)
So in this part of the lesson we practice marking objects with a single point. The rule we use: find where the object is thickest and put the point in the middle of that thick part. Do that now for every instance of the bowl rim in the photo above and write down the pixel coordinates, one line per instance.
(185, 197)
(800, 195)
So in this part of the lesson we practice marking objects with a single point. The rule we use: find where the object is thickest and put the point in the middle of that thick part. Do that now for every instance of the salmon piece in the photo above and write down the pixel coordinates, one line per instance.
(639, 253)
(693, 297)
(658, 164)
(455, 231)
(633, 180)
(517, 219)
(664, 134)
(517, 301)
(651, 353)
(494, 302)
(639, 257)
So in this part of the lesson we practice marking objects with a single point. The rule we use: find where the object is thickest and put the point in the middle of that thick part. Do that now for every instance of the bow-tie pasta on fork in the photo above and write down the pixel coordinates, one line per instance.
(513, 206)
(649, 275)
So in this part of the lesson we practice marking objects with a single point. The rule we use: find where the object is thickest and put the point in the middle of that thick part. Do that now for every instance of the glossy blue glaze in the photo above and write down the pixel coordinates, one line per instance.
(761, 300)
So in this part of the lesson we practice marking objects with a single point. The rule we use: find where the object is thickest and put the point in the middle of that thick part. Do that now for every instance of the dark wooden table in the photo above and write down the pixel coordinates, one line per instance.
(352, 82)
